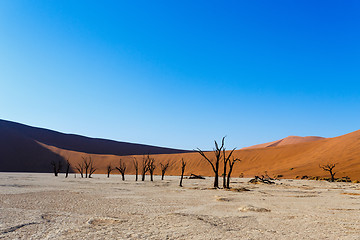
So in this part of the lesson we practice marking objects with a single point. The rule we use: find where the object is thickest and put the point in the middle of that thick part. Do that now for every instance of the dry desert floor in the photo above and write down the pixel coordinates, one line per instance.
(41, 206)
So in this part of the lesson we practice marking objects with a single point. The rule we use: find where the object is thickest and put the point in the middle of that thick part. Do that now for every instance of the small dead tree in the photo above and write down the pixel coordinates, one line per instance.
(183, 165)
(231, 165)
(92, 168)
(214, 163)
(329, 168)
(164, 167)
(80, 169)
(122, 168)
(67, 168)
(86, 166)
(151, 167)
(226, 160)
(109, 169)
(145, 167)
(136, 166)
(56, 167)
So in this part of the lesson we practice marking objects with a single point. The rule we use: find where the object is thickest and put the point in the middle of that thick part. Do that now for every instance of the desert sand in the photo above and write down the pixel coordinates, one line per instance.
(291, 161)
(41, 206)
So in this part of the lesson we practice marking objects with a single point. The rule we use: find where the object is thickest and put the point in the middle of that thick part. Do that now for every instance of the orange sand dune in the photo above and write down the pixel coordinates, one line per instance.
(288, 160)
(286, 141)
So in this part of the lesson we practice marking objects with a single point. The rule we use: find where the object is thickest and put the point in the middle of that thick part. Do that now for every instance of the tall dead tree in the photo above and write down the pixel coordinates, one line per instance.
(151, 167)
(231, 165)
(67, 168)
(164, 167)
(122, 168)
(214, 163)
(145, 167)
(109, 169)
(329, 168)
(136, 166)
(183, 165)
(56, 167)
(226, 160)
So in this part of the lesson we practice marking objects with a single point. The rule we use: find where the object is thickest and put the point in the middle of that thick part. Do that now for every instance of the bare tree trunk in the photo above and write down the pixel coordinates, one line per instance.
(231, 165)
(145, 167)
(109, 170)
(151, 167)
(136, 165)
(164, 167)
(67, 168)
(56, 167)
(122, 168)
(183, 165)
(329, 168)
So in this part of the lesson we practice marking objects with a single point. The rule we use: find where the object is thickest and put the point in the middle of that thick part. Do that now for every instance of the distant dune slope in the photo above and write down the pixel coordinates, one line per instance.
(20, 148)
(286, 141)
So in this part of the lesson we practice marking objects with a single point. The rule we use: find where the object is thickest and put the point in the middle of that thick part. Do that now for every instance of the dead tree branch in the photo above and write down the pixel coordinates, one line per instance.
(329, 168)
(122, 168)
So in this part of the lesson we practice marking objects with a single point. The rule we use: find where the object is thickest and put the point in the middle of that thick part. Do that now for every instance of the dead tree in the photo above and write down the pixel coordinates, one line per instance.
(261, 179)
(67, 168)
(86, 166)
(151, 167)
(215, 163)
(329, 168)
(164, 167)
(122, 168)
(92, 168)
(145, 167)
(226, 160)
(109, 169)
(56, 167)
(183, 165)
(80, 169)
(136, 166)
(231, 165)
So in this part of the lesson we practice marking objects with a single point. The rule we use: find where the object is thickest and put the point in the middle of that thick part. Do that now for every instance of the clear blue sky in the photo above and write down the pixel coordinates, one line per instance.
(182, 73)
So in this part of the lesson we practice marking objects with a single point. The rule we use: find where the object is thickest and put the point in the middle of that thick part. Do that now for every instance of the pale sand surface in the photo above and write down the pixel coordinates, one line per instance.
(41, 206)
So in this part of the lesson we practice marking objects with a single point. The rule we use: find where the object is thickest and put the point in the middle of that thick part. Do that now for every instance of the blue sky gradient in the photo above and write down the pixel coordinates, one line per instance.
(182, 73)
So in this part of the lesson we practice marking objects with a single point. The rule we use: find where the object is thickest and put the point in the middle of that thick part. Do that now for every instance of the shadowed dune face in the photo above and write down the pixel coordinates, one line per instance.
(289, 160)
(21, 154)
(83, 144)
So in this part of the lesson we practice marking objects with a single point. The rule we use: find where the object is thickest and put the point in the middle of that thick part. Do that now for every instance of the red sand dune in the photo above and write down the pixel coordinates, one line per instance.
(286, 141)
(289, 160)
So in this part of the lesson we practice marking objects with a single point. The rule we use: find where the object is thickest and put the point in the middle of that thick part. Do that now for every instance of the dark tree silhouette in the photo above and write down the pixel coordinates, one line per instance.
(151, 167)
(183, 165)
(164, 167)
(136, 166)
(214, 163)
(56, 167)
(86, 165)
(109, 169)
(329, 168)
(122, 168)
(67, 168)
(231, 165)
(226, 160)
(145, 167)
(80, 168)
